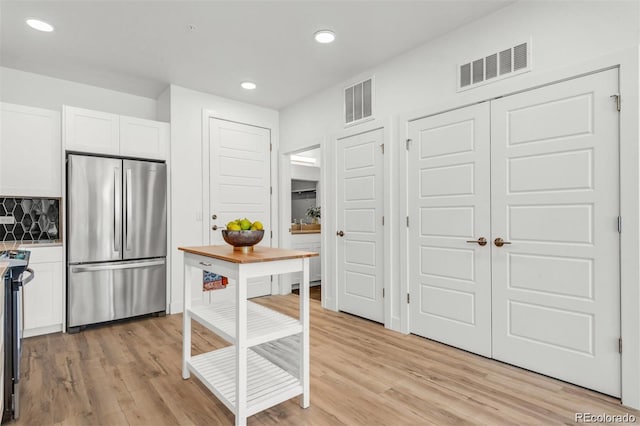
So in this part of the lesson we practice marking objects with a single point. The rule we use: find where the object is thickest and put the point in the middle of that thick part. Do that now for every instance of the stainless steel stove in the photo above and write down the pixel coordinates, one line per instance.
(14, 279)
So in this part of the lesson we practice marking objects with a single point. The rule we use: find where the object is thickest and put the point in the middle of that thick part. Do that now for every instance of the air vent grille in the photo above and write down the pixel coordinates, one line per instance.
(358, 102)
(495, 66)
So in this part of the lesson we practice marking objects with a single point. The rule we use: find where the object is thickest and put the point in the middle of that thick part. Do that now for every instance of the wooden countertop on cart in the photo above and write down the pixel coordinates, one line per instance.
(259, 254)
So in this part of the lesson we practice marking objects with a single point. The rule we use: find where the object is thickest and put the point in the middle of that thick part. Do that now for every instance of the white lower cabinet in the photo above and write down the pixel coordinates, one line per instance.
(42, 311)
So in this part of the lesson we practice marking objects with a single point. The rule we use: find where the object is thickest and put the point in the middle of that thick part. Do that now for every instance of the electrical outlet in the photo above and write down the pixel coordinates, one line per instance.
(7, 220)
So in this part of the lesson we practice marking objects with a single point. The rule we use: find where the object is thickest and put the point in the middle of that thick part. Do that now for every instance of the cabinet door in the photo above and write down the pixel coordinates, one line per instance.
(91, 131)
(143, 138)
(42, 300)
(30, 156)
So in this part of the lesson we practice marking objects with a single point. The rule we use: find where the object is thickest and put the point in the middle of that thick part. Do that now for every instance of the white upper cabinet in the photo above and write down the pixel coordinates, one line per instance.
(91, 131)
(143, 138)
(30, 152)
(98, 132)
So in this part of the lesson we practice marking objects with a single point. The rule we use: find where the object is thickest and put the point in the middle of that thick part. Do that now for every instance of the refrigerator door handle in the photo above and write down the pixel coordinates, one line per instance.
(113, 266)
(128, 210)
(117, 209)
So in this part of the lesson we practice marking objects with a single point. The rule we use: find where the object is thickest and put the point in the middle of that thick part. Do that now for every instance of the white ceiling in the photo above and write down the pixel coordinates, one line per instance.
(141, 46)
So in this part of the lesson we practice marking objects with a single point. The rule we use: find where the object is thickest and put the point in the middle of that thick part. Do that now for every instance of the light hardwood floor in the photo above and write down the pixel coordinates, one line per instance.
(361, 374)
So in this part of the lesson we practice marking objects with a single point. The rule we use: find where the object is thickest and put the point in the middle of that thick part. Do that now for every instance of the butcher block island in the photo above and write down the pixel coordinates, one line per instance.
(242, 379)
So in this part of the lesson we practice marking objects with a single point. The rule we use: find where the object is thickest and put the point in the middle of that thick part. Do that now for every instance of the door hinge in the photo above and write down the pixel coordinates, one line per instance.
(382, 147)
(382, 220)
(619, 224)
(617, 96)
(620, 345)
(408, 298)
(270, 147)
(271, 190)
(407, 221)
(271, 234)
(383, 293)
(408, 144)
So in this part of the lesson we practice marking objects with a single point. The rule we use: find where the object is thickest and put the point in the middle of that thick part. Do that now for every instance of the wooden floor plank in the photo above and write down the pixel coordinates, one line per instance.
(129, 373)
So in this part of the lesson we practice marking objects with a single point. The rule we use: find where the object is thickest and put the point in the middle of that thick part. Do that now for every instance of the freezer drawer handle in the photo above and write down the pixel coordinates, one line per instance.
(116, 266)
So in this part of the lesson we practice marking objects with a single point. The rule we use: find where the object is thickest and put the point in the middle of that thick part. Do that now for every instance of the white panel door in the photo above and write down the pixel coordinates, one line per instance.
(360, 207)
(240, 183)
(449, 195)
(555, 198)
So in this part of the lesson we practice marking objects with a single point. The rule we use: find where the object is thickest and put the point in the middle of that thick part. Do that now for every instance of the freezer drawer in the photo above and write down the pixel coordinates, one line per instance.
(108, 291)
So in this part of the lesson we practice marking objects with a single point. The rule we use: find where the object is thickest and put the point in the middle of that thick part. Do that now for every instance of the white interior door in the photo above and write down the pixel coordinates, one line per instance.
(555, 198)
(448, 184)
(240, 183)
(360, 198)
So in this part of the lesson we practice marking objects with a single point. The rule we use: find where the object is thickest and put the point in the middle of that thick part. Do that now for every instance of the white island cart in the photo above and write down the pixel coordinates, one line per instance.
(242, 379)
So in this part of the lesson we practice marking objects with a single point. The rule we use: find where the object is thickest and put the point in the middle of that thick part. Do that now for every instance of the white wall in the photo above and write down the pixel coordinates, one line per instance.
(562, 33)
(568, 38)
(186, 162)
(37, 90)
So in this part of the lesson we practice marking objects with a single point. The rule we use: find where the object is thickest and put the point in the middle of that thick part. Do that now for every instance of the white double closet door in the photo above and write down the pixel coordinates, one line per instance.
(539, 169)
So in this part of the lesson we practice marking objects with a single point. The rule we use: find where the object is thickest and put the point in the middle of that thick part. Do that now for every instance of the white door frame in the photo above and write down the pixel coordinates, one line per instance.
(284, 181)
(627, 62)
(330, 240)
(274, 226)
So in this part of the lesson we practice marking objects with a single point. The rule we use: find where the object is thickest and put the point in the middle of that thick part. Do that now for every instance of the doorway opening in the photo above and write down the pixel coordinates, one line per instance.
(305, 217)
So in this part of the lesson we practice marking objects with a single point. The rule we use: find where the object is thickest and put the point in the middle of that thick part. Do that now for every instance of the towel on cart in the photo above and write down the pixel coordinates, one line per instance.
(213, 281)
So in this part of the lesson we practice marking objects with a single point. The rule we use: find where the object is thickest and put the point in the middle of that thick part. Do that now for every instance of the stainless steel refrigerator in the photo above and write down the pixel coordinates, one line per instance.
(117, 239)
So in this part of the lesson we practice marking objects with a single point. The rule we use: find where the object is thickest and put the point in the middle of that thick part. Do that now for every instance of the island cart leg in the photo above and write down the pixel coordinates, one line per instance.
(241, 348)
(304, 338)
(186, 321)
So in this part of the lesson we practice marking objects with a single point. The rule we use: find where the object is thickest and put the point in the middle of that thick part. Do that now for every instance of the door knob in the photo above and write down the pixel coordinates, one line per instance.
(214, 216)
(214, 227)
(499, 242)
(482, 241)
(340, 234)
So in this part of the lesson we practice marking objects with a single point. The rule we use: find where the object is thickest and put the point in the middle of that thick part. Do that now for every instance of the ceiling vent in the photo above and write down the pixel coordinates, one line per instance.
(495, 66)
(358, 102)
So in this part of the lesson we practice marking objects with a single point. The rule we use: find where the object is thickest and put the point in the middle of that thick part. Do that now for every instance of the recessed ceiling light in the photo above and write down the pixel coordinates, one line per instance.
(324, 36)
(248, 85)
(36, 24)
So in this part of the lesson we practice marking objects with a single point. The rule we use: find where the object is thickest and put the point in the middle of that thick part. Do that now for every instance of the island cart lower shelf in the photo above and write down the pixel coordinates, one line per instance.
(245, 381)
(267, 384)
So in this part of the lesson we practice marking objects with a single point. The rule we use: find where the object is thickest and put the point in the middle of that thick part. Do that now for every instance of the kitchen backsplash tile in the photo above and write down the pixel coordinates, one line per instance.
(36, 219)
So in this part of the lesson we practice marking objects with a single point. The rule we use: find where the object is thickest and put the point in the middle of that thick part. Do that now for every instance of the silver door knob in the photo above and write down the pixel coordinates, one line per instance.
(482, 241)
(214, 227)
(499, 242)
(340, 234)
(214, 216)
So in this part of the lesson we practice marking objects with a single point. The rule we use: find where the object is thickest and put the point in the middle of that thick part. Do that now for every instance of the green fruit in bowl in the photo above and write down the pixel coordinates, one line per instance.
(245, 224)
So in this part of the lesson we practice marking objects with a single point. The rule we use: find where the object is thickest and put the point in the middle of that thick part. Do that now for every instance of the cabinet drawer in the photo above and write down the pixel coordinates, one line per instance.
(43, 254)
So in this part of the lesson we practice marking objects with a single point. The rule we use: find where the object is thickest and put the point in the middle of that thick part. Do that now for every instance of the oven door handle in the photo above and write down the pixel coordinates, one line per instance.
(29, 278)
